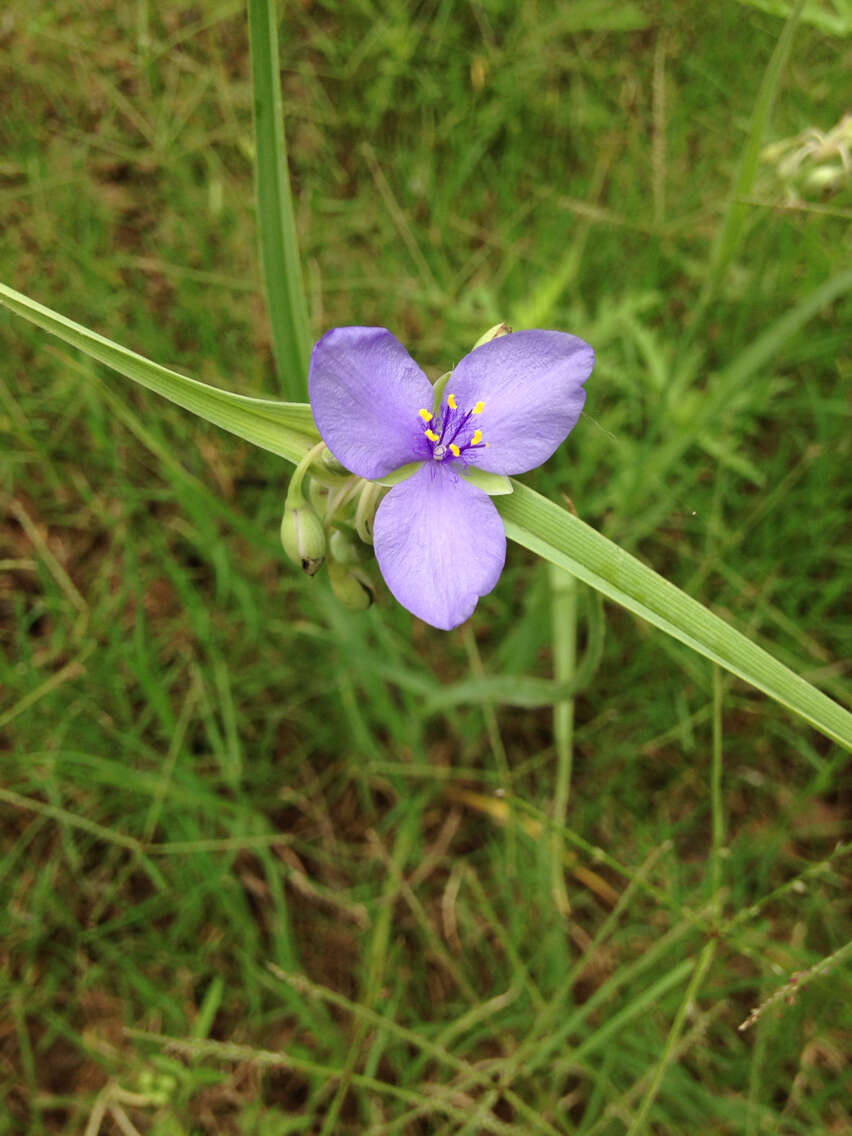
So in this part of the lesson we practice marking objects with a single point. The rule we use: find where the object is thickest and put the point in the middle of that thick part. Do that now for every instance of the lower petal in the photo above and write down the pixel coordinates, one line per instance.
(440, 544)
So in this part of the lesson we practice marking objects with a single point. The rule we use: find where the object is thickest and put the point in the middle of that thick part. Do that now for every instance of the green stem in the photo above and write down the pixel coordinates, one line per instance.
(701, 968)
(295, 497)
(563, 588)
(716, 794)
(495, 740)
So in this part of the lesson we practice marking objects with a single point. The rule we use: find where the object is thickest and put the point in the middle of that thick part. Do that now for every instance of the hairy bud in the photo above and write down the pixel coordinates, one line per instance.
(352, 588)
(303, 537)
(343, 548)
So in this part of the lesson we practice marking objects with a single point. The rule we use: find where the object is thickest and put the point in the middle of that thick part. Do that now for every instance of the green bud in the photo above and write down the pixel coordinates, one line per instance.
(438, 389)
(825, 177)
(365, 511)
(303, 537)
(351, 587)
(343, 548)
(302, 532)
(317, 496)
(492, 333)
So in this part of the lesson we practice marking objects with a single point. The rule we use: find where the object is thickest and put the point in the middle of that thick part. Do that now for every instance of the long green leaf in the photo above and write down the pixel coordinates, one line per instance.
(563, 539)
(279, 249)
(531, 520)
(286, 429)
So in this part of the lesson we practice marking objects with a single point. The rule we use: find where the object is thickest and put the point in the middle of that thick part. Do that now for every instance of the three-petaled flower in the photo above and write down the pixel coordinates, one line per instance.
(507, 406)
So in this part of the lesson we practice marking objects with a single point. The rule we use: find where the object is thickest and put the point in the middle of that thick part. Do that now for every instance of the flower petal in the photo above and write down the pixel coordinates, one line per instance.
(531, 387)
(440, 544)
(365, 392)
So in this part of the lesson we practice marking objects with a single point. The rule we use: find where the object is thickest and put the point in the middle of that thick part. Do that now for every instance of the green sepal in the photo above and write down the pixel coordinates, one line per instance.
(496, 332)
(398, 475)
(438, 391)
(494, 484)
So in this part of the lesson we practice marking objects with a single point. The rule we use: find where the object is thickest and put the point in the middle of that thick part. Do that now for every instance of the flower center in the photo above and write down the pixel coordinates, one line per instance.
(453, 434)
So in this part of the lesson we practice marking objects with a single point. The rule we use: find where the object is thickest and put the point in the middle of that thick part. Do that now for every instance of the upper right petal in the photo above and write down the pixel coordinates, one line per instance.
(365, 393)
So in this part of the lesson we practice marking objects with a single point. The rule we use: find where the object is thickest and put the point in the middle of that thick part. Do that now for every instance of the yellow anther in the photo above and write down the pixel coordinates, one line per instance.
(426, 415)
(478, 408)
(432, 436)
(455, 450)
(451, 402)
(477, 438)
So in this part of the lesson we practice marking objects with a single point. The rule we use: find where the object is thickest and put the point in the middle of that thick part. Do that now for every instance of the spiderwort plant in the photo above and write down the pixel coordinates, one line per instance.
(288, 429)
(506, 407)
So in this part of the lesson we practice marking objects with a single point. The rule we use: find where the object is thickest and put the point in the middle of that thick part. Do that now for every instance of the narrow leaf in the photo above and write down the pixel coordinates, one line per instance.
(282, 268)
(285, 429)
(730, 231)
(725, 385)
(524, 690)
(556, 535)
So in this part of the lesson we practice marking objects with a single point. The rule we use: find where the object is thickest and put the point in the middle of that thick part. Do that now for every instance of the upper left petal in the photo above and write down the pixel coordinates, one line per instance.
(440, 544)
(365, 393)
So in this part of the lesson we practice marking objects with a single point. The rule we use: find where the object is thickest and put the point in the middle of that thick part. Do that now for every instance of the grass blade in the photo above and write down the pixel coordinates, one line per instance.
(725, 385)
(279, 249)
(557, 536)
(730, 231)
(285, 429)
(563, 593)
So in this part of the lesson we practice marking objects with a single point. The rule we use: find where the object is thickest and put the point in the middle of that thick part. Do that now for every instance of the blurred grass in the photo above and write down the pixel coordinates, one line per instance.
(239, 817)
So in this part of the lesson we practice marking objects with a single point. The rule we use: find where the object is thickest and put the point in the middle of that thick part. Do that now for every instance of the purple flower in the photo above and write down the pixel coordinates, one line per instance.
(508, 405)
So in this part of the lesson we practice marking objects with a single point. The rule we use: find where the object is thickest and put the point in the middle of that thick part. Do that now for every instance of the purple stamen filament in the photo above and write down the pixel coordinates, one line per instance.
(450, 422)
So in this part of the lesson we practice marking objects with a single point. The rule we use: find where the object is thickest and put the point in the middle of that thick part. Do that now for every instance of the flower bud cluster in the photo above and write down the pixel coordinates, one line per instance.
(330, 523)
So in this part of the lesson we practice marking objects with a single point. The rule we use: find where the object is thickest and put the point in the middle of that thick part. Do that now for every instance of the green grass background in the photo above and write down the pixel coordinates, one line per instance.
(269, 866)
